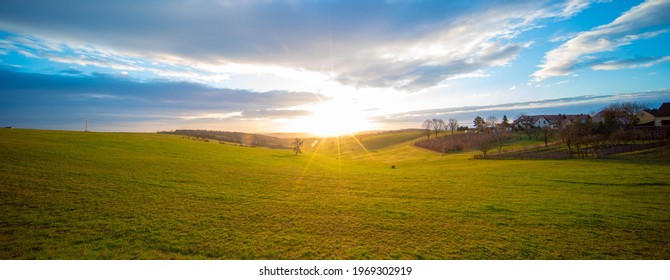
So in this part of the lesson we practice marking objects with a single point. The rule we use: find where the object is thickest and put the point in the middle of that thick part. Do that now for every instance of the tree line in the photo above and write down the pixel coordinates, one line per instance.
(490, 134)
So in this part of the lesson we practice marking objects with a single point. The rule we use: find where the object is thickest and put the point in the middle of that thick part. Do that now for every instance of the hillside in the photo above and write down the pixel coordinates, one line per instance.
(246, 139)
(76, 195)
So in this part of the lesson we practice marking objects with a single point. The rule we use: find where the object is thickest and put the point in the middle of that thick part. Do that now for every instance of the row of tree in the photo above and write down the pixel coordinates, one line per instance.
(437, 125)
(491, 122)
(615, 127)
(495, 137)
(466, 141)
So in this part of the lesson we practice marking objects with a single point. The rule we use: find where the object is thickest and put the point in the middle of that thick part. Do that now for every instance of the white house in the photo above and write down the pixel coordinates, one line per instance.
(534, 121)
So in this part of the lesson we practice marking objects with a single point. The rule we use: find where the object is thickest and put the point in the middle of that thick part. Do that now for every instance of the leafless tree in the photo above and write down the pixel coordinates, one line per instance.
(484, 142)
(297, 143)
(452, 124)
(568, 135)
(491, 121)
(438, 124)
(622, 115)
(428, 126)
(501, 136)
(546, 133)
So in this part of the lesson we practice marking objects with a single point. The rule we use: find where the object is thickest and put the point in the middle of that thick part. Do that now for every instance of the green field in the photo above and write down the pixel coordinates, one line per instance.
(75, 195)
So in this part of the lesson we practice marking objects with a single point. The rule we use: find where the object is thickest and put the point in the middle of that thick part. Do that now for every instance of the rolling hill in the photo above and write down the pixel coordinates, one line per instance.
(76, 195)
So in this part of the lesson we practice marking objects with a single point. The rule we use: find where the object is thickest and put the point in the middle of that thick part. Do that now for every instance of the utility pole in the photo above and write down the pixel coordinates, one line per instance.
(86, 126)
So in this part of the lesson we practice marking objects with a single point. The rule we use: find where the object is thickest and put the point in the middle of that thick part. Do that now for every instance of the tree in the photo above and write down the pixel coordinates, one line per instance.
(501, 137)
(491, 121)
(505, 122)
(546, 133)
(484, 142)
(428, 126)
(452, 124)
(568, 135)
(297, 143)
(479, 123)
(438, 124)
(621, 115)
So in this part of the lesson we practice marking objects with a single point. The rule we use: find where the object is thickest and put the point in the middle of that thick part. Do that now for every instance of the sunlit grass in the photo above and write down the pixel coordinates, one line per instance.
(72, 195)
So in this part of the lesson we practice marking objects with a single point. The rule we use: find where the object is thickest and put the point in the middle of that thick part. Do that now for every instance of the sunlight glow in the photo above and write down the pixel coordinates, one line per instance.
(331, 119)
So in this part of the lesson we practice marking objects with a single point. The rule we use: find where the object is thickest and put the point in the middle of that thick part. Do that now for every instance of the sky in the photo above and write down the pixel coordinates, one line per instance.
(325, 67)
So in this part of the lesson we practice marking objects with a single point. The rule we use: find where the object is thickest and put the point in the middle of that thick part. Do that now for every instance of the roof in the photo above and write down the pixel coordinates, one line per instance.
(572, 118)
(527, 119)
(664, 110)
(653, 112)
(551, 118)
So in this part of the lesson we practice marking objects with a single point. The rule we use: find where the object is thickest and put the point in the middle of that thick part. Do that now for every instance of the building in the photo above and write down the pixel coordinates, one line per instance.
(551, 121)
(662, 115)
(531, 121)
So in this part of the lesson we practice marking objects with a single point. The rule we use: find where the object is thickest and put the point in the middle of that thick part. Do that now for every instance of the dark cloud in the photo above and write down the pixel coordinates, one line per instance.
(72, 71)
(41, 99)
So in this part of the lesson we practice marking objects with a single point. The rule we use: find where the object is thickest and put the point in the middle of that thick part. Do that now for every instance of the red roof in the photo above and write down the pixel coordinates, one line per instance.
(664, 110)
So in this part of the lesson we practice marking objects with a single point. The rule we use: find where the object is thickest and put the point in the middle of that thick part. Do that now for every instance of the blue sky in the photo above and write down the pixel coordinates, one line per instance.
(323, 66)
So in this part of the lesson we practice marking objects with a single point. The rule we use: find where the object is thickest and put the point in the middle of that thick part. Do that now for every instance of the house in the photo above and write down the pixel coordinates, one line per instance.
(647, 117)
(569, 119)
(531, 121)
(551, 121)
(662, 116)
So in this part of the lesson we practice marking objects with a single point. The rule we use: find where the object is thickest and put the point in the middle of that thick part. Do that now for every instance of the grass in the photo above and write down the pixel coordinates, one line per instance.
(75, 195)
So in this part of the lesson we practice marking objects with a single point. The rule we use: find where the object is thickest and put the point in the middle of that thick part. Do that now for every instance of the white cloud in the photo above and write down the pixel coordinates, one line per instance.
(402, 45)
(83, 61)
(630, 63)
(573, 7)
(629, 27)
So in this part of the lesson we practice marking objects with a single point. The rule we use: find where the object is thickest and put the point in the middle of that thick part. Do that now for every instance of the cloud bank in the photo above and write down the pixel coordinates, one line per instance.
(406, 45)
(27, 99)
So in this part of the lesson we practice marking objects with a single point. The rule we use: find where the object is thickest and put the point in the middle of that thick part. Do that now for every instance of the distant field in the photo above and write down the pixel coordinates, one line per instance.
(75, 195)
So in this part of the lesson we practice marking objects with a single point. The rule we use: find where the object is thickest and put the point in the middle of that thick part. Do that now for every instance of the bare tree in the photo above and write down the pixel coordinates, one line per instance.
(452, 124)
(484, 142)
(297, 143)
(501, 137)
(622, 115)
(491, 121)
(438, 124)
(546, 133)
(530, 130)
(568, 135)
(428, 126)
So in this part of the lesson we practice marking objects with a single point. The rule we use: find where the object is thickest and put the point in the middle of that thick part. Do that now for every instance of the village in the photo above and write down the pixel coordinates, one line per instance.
(618, 128)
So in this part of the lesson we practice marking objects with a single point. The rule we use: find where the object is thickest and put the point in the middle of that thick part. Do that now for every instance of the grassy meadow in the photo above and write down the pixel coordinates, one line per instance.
(76, 195)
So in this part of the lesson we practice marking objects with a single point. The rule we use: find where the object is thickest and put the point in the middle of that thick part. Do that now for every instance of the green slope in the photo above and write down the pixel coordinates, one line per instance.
(73, 195)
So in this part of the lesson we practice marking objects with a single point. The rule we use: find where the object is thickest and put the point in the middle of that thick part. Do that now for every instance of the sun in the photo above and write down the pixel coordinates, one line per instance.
(330, 119)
